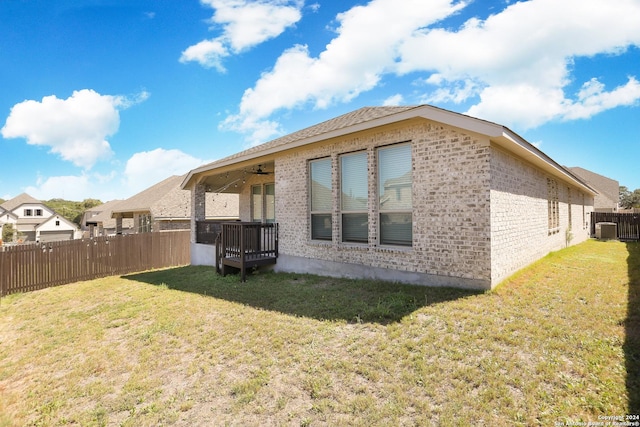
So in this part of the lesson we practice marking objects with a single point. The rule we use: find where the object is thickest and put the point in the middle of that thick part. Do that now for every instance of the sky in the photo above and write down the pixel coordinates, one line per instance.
(104, 98)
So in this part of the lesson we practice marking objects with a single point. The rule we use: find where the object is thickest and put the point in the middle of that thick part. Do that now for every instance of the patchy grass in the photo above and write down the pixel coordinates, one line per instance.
(557, 342)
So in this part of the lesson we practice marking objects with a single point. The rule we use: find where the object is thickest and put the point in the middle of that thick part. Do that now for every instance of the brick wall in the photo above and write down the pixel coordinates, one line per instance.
(450, 196)
(519, 215)
(480, 213)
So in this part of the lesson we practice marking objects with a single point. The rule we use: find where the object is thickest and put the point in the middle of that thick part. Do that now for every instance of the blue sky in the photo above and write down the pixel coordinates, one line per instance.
(103, 98)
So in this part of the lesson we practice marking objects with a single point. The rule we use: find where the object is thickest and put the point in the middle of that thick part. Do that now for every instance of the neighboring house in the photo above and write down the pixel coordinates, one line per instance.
(608, 197)
(410, 194)
(166, 206)
(97, 220)
(7, 217)
(35, 222)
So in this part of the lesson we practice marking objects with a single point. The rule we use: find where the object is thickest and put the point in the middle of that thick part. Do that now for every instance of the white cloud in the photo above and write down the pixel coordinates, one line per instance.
(70, 187)
(142, 170)
(520, 59)
(513, 67)
(150, 167)
(245, 24)
(396, 99)
(75, 128)
(208, 53)
(593, 99)
(352, 63)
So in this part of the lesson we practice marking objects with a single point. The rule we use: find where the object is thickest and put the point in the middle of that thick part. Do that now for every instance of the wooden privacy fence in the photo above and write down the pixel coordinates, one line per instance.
(31, 267)
(628, 224)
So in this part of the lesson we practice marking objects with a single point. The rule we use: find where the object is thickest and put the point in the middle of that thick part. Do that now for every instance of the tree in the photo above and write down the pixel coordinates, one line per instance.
(7, 233)
(90, 203)
(72, 210)
(629, 199)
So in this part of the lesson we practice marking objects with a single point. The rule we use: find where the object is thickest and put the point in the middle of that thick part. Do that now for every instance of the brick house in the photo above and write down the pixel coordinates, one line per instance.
(608, 197)
(164, 206)
(411, 194)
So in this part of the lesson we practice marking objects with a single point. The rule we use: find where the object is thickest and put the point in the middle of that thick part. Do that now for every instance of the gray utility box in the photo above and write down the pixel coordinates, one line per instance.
(606, 230)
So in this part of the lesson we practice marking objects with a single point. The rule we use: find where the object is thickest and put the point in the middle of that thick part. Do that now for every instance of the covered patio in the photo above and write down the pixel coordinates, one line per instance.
(252, 241)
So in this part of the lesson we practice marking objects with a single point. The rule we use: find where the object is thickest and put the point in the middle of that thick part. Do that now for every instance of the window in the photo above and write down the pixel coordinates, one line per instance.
(57, 223)
(270, 202)
(553, 216)
(144, 223)
(28, 212)
(321, 199)
(584, 215)
(354, 197)
(38, 212)
(395, 199)
(256, 203)
(569, 206)
(263, 203)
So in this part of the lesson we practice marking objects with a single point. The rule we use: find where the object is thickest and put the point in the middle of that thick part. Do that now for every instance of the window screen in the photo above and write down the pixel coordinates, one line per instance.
(321, 199)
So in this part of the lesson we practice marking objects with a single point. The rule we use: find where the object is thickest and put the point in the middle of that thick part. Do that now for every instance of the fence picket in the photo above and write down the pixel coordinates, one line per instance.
(31, 267)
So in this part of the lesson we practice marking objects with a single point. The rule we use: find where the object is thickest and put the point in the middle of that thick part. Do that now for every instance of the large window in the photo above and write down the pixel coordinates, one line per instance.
(395, 201)
(321, 199)
(354, 197)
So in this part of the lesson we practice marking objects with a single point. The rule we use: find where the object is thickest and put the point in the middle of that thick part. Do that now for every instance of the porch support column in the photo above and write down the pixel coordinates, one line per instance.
(118, 224)
(198, 208)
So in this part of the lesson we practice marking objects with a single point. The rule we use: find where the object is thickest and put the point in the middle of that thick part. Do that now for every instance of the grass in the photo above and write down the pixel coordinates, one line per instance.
(558, 342)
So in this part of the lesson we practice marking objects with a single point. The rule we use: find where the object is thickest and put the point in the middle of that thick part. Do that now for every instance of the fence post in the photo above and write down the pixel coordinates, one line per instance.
(2, 272)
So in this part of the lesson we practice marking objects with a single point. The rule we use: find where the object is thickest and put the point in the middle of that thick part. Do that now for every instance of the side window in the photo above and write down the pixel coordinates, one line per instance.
(321, 199)
(395, 202)
(354, 197)
(553, 216)
(569, 207)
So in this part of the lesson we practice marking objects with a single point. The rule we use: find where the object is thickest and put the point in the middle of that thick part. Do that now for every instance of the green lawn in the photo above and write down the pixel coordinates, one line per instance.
(558, 342)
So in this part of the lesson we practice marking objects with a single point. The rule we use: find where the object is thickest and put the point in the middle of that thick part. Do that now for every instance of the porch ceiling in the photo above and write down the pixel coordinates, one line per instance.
(230, 180)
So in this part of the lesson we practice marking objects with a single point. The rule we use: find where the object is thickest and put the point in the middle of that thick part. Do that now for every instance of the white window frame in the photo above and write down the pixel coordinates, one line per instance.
(317, 212)
(264, 209)
(408, 210)
(353, 212)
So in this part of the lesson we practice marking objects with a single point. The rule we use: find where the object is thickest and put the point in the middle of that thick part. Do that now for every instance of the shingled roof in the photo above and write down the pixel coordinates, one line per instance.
(607, 187)
(167, 200)
(163, 196)
(357, 117)
(371, 117)
(21, 199)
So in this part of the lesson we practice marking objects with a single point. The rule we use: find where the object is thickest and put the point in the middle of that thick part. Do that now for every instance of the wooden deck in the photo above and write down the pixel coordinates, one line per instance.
(245, 245)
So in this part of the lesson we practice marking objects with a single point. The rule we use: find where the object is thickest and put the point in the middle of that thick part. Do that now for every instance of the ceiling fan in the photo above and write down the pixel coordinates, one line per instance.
(260, 171)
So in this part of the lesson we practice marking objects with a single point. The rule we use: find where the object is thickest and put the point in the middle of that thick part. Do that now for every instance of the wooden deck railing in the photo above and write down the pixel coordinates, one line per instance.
(207, 231)
(248, 244)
